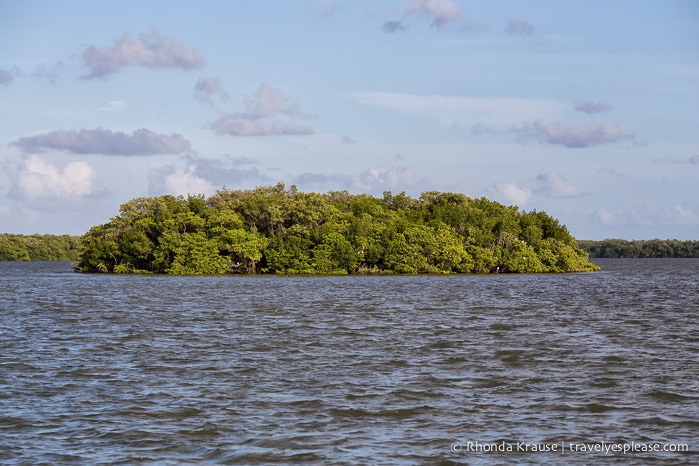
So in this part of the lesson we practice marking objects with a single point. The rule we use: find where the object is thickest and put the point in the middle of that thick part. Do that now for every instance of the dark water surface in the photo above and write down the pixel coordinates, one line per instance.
(105, 369)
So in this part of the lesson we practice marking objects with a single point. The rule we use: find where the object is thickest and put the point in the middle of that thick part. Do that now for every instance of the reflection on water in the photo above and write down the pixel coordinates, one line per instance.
(347, 370)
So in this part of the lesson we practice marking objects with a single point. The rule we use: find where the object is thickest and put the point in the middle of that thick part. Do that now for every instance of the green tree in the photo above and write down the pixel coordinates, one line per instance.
(277, 230)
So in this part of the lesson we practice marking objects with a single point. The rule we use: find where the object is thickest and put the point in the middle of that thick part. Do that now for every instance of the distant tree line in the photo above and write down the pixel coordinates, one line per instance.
(619, 248)
(38, 247)
(278, 230)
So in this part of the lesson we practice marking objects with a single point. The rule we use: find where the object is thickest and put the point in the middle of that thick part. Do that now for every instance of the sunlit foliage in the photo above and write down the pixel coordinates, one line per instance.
(38, 247)
(273, 229)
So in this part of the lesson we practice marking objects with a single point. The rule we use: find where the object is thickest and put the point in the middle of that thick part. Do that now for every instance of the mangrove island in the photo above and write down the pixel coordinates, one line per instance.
(273, 229)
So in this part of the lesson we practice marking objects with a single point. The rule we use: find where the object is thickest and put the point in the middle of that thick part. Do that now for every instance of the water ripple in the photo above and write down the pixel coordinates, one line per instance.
(108, 369)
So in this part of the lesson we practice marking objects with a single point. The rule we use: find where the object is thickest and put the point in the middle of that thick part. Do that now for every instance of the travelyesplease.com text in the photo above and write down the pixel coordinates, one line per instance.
(567, 447)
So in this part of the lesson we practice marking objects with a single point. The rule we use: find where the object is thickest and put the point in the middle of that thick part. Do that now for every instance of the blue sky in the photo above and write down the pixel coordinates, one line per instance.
(585, 110)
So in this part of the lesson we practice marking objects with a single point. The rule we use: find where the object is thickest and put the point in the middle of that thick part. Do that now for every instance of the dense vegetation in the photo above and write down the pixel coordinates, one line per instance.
(617, 248)
(38, 247)
(275, 230)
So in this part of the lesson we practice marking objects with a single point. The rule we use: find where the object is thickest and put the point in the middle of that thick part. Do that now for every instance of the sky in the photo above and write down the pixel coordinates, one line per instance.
(588, 111)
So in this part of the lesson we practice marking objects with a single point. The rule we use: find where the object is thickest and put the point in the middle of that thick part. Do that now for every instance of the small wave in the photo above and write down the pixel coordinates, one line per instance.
(670, 396)
(403, 413)
(599, 408)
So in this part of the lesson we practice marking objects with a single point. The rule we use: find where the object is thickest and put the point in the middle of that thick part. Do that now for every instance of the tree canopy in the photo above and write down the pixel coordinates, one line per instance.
(653, 248)
(273, 229)
(38, 247)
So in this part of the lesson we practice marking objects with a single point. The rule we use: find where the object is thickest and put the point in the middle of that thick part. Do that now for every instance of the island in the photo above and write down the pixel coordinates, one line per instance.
(272, 229)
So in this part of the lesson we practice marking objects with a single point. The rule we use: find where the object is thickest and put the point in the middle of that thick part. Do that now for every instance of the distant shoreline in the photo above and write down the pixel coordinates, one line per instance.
(15, 247)
(640, 249)
(48, 247)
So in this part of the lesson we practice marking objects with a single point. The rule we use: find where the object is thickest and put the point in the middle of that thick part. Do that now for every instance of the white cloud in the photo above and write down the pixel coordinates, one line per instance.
(602, 216)
(380, 178)
(268, 101)
(573, 136)
(184, 182)
(553, 184)
(265, 103)
(204, 175)
(208, 88)
(672, 215)
(440, 12)
(37, 179)
(679, 215)
(148, 50)
(509, 193)
(104, 141)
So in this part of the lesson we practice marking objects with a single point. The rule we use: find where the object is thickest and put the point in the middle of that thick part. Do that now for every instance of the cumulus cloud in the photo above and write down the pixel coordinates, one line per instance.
(603, 216)
(149, 50)
(573, 136)
(268, 101)
(204, 176)
(104, 141)
(553, 184)
(36, 179)
(680, 215)
(588, 106)
(440, 12)
(265, 103)
(208, 88)
(518, 27)
(180, 181)
(509, 193)
(380, 178)
(652, 214)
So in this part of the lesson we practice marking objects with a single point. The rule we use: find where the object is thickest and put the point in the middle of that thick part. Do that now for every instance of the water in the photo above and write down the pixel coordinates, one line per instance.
(105, 369)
